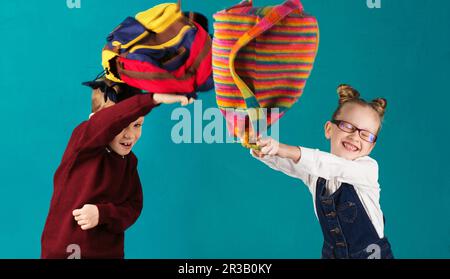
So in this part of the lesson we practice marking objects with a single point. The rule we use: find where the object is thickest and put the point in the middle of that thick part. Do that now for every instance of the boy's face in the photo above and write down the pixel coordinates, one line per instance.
(350, 145)
(125, 140)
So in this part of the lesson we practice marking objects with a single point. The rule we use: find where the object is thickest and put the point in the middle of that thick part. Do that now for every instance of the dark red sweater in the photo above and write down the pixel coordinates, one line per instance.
(90, 173)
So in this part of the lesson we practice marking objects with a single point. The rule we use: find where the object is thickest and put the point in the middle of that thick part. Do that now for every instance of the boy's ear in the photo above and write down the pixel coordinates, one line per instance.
(97, 100)
(327, 129)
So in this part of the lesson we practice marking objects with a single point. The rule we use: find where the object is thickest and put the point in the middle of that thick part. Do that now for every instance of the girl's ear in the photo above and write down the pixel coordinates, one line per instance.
(327, 129)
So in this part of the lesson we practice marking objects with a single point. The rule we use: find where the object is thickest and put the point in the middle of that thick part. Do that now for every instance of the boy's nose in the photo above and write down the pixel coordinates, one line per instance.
(127, 135)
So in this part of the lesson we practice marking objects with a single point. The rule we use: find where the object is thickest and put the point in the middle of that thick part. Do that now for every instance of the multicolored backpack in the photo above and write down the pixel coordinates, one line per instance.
(262, 58)
(160, 50)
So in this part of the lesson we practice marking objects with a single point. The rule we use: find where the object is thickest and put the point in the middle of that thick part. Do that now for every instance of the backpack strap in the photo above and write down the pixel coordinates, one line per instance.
(277, 14)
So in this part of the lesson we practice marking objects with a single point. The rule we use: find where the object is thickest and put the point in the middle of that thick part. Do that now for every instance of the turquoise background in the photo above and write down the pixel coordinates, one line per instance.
(214, 200)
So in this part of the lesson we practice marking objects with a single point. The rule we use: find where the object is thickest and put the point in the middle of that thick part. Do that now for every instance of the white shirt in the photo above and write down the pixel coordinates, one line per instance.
(362, 173)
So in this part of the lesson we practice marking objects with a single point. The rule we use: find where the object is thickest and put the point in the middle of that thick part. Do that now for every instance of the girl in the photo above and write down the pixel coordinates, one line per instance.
(344, 184)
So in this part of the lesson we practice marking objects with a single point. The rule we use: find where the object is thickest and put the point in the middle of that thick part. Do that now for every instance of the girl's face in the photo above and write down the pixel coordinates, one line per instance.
(350, 145)
(125, 140)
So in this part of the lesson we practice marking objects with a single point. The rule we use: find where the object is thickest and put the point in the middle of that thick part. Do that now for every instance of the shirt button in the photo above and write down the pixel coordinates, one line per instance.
(336, 230)
(332, 214)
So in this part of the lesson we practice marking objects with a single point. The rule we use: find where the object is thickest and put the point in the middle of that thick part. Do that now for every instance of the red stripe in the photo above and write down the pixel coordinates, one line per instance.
(172, 85)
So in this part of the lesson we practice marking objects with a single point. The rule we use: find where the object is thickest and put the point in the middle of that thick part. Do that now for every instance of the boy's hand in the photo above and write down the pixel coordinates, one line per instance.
(171, 99)
(87, 216)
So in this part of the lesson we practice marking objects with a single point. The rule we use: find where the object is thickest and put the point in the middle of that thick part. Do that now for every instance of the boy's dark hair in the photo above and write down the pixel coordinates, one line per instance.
(114, 91)
(104, 89)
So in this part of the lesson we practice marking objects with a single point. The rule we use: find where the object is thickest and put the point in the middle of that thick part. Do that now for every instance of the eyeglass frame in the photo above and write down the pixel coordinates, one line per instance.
(338, 122)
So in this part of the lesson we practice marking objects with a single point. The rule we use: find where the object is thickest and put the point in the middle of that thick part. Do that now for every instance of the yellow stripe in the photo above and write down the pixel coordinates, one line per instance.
(278, 86)
(251, 57)
(116, 43)
(223, 27)
(268, 51)
(107, 55)
(160, 17)
(261, 67)
(230, 104)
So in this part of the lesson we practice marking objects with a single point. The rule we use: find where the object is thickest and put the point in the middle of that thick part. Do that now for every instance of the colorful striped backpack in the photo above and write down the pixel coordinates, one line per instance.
(262, 58)
(160, 50)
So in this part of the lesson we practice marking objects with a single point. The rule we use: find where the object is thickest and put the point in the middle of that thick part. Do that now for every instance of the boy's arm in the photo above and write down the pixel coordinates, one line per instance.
(118, 218)
(104, 125)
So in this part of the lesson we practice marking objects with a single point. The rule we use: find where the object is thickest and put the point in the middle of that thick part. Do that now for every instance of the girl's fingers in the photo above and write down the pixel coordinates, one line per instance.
(274, 150)
(256, 153)
(262, 142)
(260, 155)
(191, 100)
(266, 149)
(275, 146)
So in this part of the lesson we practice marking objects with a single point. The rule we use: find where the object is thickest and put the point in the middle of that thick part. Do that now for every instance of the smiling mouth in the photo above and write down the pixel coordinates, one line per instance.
(126, 145)
(350, 147)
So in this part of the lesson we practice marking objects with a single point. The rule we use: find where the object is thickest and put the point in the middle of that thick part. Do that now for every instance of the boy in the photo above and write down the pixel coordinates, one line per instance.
(97, 191)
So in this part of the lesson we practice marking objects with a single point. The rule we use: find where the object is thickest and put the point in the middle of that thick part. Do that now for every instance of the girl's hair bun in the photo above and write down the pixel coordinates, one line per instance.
(347, 93)
(379, 105)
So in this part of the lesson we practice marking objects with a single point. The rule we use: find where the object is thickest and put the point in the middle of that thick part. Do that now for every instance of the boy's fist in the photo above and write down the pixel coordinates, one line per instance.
(171, 99)
(87, 216)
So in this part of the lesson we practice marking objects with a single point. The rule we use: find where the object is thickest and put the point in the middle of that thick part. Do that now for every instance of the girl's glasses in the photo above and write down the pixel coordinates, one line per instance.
(350, 128)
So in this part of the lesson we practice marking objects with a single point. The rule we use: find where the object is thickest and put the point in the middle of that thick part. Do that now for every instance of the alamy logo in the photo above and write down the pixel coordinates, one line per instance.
(375, 251)
(74, 251)
(73, 4)
(374, 4)
(191, 128)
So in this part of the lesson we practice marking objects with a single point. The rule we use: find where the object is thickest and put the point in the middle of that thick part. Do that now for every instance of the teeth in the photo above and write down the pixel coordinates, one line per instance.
(350, 146)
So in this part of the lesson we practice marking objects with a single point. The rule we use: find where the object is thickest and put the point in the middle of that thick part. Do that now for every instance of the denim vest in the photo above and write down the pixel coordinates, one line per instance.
(347, 230)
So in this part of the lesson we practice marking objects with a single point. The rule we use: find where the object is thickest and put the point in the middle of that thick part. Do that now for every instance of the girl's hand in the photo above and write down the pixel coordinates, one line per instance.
(268, 146)
(87, 216)
(171, 99)
(271, 147)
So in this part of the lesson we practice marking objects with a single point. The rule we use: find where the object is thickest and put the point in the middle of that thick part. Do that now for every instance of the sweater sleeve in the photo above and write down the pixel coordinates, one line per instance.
(104, 125)
(119, 217)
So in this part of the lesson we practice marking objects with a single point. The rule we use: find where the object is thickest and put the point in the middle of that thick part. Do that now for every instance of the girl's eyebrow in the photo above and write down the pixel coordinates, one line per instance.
(360, 128)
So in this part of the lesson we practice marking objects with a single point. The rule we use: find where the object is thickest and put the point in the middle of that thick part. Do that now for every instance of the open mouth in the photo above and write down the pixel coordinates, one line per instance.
(126, 145)
(350, 147)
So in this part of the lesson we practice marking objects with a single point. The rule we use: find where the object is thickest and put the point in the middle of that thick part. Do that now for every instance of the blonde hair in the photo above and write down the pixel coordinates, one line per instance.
(348, 94)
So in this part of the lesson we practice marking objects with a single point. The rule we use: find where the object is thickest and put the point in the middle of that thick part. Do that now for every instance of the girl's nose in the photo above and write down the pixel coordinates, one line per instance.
(354, 136)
